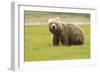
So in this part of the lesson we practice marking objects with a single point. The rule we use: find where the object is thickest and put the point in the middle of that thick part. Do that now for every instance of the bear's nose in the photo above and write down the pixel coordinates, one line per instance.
(53, 27)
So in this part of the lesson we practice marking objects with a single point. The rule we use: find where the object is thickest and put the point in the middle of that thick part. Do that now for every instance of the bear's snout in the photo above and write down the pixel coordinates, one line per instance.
(53, 26)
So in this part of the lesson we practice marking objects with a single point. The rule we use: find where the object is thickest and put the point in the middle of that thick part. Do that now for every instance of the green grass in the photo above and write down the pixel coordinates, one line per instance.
(38, 45)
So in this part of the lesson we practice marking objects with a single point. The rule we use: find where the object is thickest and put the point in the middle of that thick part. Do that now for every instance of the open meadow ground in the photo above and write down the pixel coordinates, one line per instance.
(38, 45)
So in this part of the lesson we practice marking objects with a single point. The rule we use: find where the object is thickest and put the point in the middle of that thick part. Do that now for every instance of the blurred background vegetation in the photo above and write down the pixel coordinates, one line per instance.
(37, 17)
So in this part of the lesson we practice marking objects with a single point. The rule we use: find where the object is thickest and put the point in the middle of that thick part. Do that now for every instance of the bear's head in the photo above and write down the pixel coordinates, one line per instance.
(55, 25)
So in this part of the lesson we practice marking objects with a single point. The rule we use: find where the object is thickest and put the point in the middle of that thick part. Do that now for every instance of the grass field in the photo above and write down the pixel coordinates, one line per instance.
(38, 45)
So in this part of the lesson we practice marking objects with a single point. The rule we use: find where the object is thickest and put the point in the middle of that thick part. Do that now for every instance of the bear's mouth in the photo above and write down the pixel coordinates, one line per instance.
(54, 31)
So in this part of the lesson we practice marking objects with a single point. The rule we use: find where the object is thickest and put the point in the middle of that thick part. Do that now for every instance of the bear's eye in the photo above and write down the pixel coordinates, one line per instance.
(51, 23)
(55, 23)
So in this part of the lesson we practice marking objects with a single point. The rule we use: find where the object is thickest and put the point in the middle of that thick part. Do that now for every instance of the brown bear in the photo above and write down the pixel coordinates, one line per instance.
(66, 34)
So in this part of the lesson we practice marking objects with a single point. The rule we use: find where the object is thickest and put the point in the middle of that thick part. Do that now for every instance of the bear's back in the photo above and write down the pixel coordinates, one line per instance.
(75, 34)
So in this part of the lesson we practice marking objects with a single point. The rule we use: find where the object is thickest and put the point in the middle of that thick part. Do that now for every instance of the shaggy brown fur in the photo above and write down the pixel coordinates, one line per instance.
(66, 34)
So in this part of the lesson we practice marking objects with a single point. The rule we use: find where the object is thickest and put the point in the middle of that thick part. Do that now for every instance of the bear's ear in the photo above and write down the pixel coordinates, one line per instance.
(57, 19)
(49, 21)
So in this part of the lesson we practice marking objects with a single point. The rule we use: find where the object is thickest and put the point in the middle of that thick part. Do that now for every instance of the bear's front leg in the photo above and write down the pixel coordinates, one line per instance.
(55, 40)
